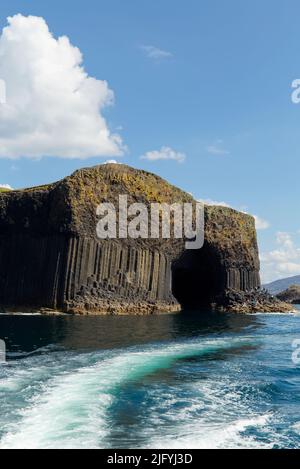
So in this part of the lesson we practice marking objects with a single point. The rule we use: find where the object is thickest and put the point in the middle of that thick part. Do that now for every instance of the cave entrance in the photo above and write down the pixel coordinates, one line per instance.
(198, 278)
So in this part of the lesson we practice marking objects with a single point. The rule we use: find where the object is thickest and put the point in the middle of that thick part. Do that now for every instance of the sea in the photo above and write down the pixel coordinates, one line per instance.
(186, 380)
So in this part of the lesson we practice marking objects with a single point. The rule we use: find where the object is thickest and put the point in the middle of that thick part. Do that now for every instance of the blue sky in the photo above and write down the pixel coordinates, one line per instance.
(208, 79)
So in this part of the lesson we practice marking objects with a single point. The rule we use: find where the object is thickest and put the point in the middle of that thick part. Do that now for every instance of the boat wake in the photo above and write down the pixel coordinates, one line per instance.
(66, 402)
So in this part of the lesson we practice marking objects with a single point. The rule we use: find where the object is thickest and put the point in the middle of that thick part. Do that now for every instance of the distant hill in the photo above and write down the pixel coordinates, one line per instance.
(283, 284)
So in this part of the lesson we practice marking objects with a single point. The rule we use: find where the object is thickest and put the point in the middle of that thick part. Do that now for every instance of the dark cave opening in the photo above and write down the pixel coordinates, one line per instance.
(198, 278)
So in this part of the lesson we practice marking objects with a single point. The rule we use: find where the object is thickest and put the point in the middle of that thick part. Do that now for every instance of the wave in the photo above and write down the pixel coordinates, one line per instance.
(65, 402)
(228, 435)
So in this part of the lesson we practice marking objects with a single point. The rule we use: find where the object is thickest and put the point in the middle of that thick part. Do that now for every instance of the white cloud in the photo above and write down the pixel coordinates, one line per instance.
(165, 153)
(260, 223)
(5, 186)
(214, 202)
(111, 162)
(53, 107)
(283, 261)
(155, 53)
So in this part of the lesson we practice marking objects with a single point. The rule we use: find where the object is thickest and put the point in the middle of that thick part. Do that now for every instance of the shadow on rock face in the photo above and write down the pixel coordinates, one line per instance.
(198, 278)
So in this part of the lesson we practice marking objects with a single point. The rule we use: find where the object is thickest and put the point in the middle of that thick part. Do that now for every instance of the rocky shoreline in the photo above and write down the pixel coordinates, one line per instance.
(255, 301)
(119, 308)
(292, 295)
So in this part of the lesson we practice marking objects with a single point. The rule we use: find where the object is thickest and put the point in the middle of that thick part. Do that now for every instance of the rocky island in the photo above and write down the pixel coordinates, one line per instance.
(51, 258)
(291, 294)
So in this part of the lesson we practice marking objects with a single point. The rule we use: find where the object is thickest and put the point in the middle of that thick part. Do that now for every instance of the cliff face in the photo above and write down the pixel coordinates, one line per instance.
(51, 257)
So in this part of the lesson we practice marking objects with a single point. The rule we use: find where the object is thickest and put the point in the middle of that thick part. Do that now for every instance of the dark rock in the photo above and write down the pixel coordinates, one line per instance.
(251, 301)
(50, 256)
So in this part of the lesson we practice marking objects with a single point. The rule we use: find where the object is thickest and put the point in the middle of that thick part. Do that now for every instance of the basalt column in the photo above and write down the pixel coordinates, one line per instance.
(50, 255)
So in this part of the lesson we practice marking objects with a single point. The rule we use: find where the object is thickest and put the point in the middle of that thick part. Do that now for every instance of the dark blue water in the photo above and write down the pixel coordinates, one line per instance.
(178, 380)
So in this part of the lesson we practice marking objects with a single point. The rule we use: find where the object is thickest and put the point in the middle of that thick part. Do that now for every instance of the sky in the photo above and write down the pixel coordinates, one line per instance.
(197, 91)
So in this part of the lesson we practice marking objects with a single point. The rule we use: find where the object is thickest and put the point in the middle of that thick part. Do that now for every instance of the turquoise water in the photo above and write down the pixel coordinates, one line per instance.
(172, 381)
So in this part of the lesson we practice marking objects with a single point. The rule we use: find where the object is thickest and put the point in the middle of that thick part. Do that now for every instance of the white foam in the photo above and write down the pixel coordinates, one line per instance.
(71, 411)
(217, 415)
(224, 435)
(296, 427)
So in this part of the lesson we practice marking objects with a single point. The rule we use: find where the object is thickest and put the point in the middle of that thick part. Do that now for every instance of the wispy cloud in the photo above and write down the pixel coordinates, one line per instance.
(260, 223)
(214, 150)
(5, 186)
(217, 148)
(155, 53)
(165, 153)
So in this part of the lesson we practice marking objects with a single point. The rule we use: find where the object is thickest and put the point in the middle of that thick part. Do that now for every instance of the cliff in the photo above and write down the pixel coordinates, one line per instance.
(50, 256)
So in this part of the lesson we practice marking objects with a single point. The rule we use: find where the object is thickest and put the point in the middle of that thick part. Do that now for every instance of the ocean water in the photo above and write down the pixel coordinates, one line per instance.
(188, 380)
